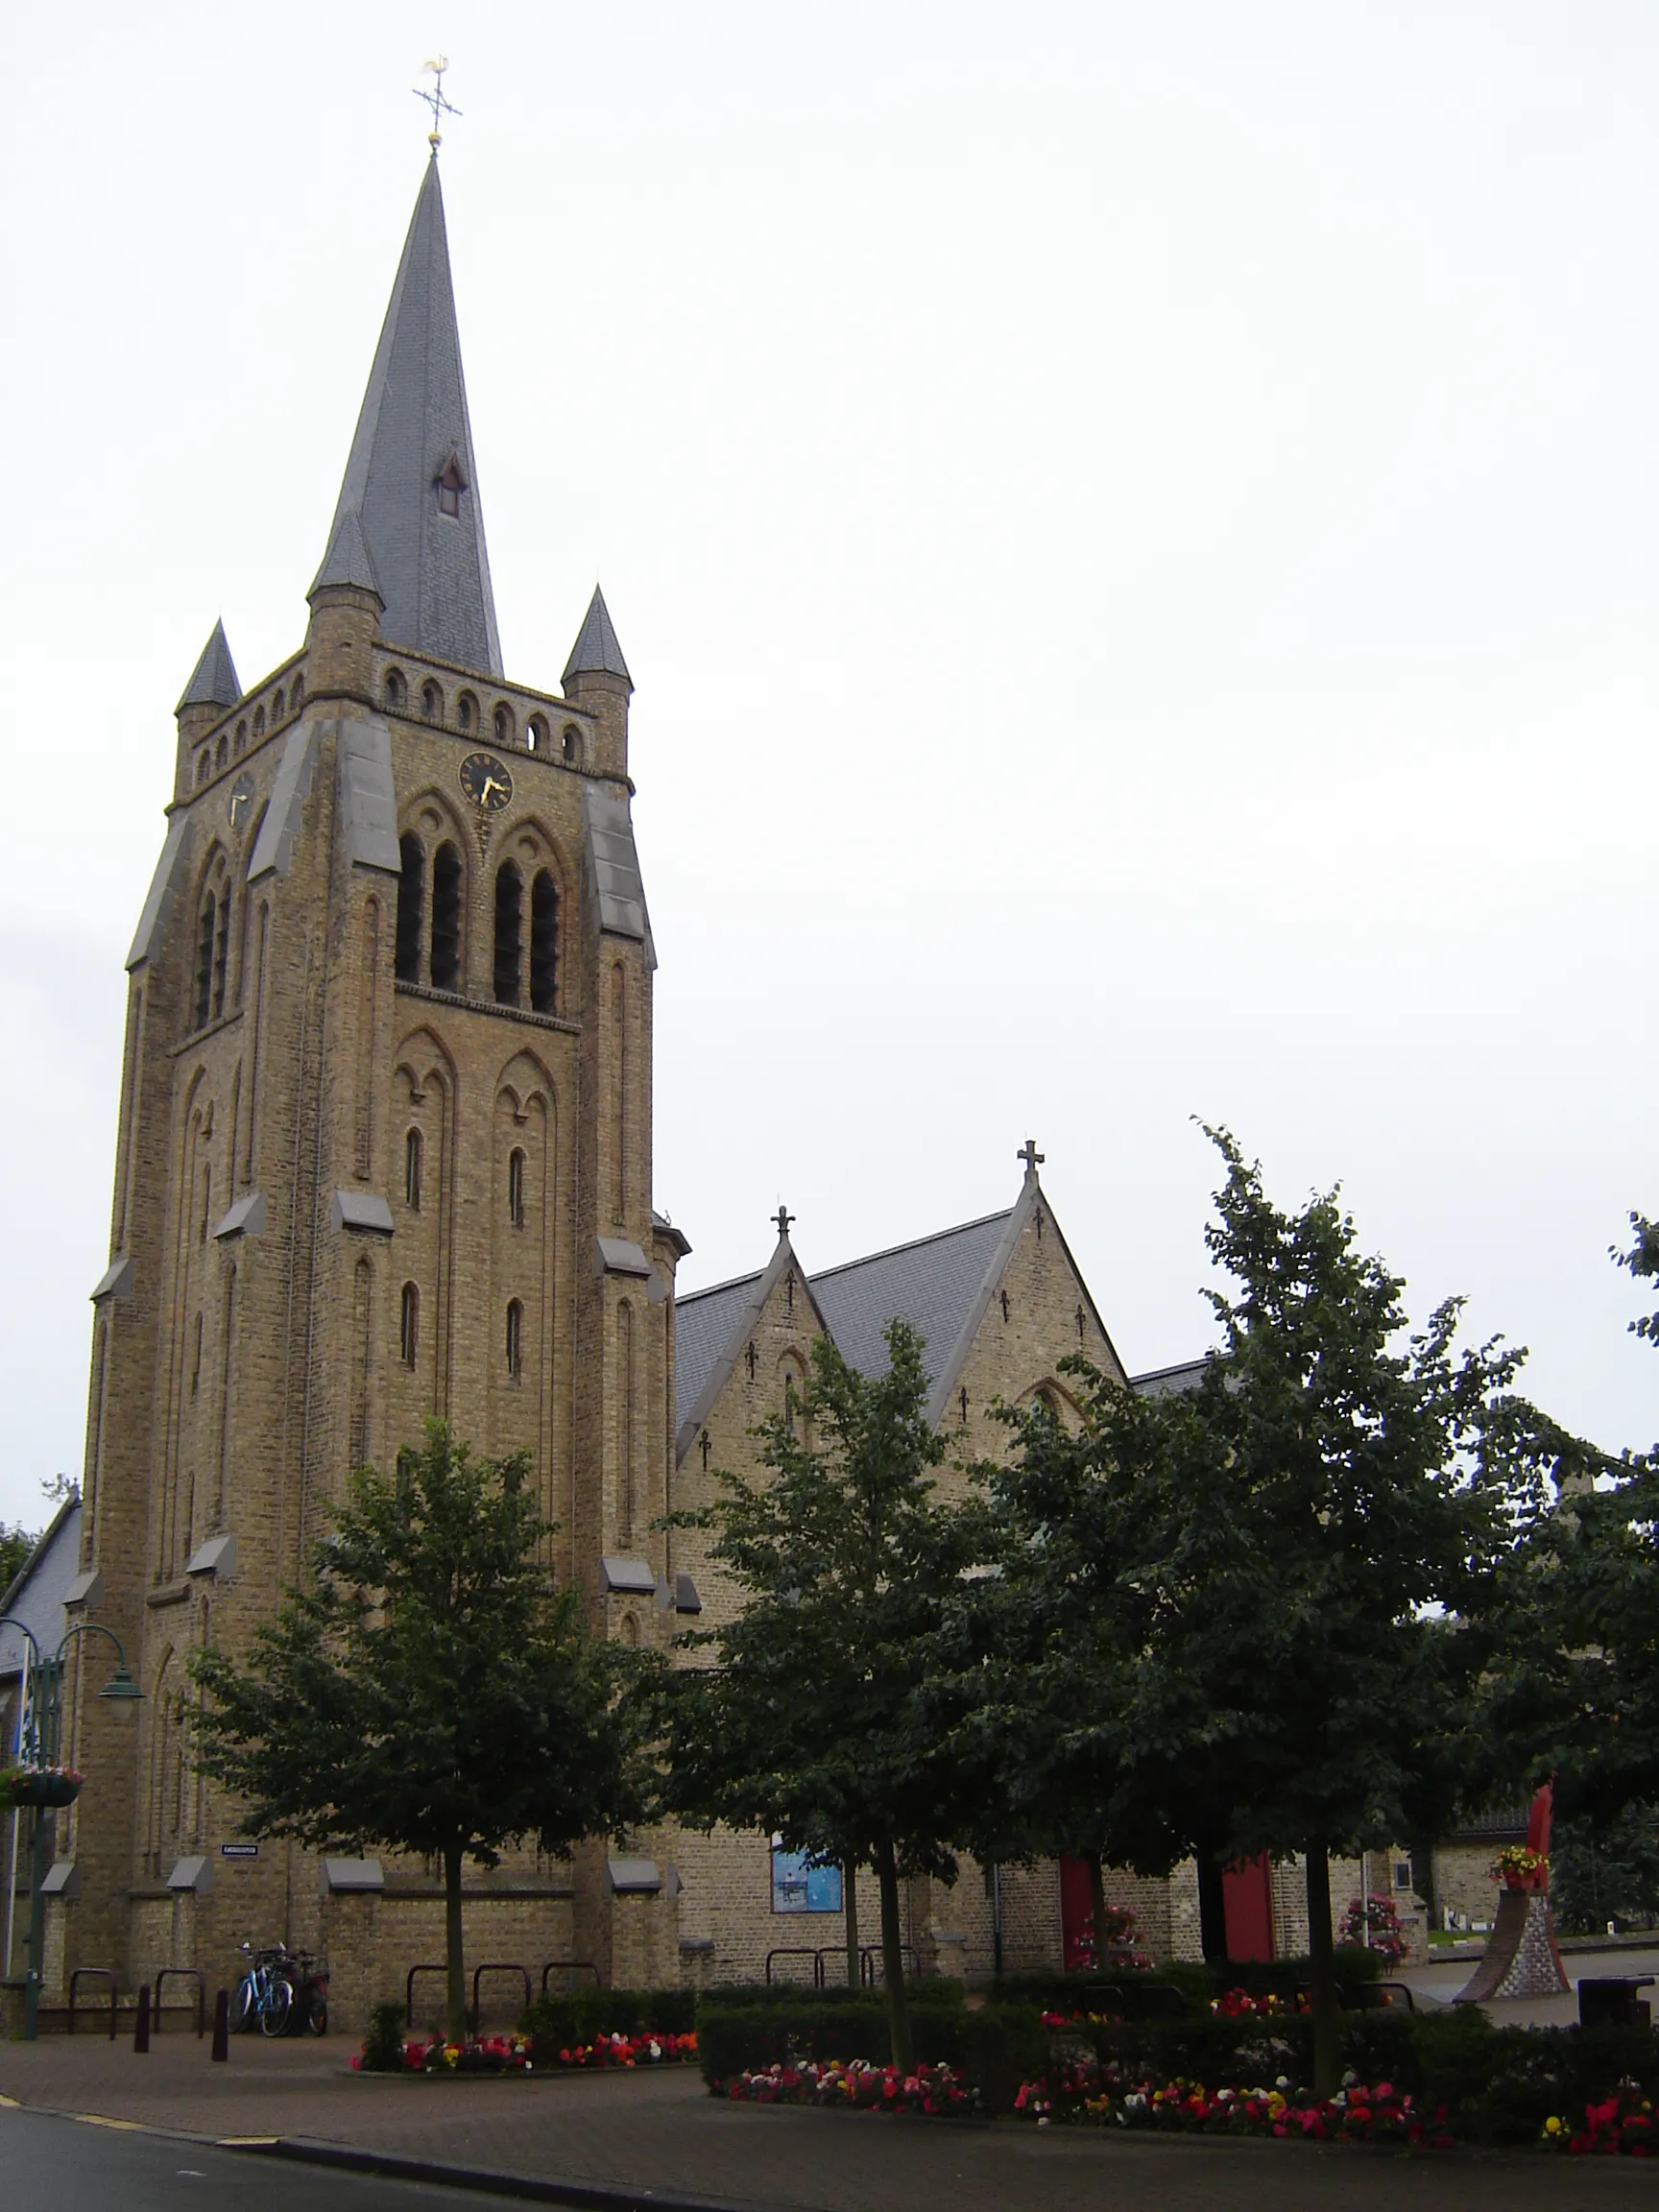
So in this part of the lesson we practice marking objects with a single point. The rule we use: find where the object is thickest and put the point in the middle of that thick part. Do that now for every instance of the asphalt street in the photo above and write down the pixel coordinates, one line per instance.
(54, 2165)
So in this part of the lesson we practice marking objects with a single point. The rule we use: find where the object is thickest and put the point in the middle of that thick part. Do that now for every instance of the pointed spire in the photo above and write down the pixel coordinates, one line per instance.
(214, 682)
(596, 652)
(411, 481)
(347, 560)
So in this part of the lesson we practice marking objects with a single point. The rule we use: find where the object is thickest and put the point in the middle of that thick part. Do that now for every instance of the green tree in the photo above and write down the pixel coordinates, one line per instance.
(429, 1692)
(1643, 1261)
(809, 1718)
(15, 1545)
(1259, 1608)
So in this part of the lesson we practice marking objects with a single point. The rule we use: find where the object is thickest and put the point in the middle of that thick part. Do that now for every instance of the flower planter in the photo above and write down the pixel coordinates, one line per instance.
(43, 1791)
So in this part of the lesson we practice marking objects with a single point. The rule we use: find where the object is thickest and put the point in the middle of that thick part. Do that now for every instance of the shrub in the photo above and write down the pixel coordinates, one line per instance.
(559, 2023)
(751, 2037)
(383, 2046)
(935, 1990)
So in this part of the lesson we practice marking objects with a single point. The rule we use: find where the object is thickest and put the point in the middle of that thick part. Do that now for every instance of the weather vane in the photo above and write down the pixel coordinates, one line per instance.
(435, 99)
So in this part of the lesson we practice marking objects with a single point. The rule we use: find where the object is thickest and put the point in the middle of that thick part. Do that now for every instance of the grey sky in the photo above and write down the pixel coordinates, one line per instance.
(1132, 527)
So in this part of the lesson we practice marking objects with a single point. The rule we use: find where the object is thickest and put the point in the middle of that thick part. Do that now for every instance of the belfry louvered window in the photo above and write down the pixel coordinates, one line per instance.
(446, 919)
(509, 932)
(543, 942)
(206, 936)
(411, 901)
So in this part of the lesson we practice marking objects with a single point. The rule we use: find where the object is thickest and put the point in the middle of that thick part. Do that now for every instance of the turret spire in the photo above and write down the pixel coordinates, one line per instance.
(596, 651)
(214, 682)
(411, 481)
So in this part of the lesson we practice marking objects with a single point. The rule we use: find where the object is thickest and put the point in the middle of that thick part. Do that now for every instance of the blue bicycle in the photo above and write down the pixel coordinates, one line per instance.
(281, 1990)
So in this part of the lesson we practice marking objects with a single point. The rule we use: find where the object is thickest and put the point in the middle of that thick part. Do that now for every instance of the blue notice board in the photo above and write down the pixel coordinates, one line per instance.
(798, 1887)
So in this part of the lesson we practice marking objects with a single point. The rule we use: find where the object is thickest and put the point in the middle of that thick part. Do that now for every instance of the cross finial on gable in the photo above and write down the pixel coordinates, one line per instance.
(783, 1218)
(1032, 1158)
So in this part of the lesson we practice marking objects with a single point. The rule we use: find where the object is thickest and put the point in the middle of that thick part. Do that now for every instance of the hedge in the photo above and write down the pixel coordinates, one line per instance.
(751, 2034)
(1198, 1983)
(556, 2023)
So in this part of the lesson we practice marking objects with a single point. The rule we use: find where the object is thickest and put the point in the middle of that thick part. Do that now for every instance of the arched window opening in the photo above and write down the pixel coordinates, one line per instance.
(411, 888)
(502, 725)
(278, 707)
(258, 724)
(572, 742)
(298, 693)
(466, 710)
(432, 702)
(222, 952)
(241, 743)
(536, 736)
(412, 1170)
(450, 486)
(204, 766)
(515, 1189)
(543, 942)
(515, 1336)
(792, 1397)
(396, 690)
(409, 1325)
(446, 919)
(205, 937)
(509, 932)
(221, 753)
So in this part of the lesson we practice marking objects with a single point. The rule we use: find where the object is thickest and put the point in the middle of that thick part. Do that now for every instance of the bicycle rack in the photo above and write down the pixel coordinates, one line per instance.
(98, 1973)
(409, 1989)
(571, 1967)
(497, 1966)
(870, 1958)
(182, 1974)
(816, 1957)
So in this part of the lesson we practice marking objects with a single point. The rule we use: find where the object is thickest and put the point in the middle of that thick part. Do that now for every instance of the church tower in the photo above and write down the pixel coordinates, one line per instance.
(384, 1147)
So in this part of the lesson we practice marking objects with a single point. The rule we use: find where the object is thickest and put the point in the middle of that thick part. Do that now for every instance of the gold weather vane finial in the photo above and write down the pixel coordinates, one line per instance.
(435, 99)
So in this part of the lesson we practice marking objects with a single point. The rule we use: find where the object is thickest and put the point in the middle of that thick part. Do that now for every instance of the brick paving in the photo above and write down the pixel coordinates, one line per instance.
(664, 2132)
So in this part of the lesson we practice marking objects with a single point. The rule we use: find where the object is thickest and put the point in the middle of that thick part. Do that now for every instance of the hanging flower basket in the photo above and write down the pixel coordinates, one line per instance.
(41, 1787)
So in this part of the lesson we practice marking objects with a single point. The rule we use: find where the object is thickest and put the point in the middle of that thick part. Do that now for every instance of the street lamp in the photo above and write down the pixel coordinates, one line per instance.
(42, 1725)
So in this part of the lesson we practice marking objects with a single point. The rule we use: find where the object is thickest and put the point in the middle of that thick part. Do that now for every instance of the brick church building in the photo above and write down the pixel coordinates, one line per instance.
(385, 1151)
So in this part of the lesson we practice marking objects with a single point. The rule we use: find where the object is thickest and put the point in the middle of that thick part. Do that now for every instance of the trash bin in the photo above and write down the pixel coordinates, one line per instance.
(1611, 2002)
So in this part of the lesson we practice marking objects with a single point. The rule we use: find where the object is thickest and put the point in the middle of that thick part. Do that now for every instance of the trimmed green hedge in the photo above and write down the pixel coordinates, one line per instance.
(1197, 1982)
(747, 2037)
(555, 2023)
(936, 1990)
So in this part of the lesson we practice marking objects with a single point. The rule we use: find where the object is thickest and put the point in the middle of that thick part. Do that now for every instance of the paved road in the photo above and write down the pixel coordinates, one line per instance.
(53, 2165)
(663, 2132)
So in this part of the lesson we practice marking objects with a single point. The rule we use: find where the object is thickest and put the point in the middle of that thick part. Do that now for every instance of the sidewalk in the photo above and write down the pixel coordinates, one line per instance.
(663, 2132)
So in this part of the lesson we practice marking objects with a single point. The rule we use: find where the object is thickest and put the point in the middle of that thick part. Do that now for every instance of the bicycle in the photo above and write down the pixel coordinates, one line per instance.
(286, 1991)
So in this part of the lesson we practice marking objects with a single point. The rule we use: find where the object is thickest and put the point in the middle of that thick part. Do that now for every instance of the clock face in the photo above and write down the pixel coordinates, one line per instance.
(486, 781)
(240, 804)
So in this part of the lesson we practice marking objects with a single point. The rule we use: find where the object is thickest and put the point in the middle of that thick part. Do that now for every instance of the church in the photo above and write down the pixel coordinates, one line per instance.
(384, 1152)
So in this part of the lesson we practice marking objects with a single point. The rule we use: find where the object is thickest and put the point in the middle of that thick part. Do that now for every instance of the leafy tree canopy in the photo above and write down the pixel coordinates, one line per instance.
(429, 1690)
(809, 1719)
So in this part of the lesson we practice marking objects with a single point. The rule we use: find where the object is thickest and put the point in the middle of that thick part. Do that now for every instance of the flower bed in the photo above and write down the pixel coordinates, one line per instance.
(1619, 2127)
(1239, 2005)
(478, 2054)
(1088, 2094)
(629, 2051)
(856, 2085)
(39, 1787)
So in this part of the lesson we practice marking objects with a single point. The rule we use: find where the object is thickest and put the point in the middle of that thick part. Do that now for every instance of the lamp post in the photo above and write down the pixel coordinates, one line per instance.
(41, 1733)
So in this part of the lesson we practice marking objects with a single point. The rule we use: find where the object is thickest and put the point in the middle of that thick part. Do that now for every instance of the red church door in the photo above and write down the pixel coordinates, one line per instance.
(1076, 1915)
(1247, 1893)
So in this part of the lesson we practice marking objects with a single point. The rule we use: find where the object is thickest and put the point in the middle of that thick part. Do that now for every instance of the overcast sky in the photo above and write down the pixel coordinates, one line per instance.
(1132, 526)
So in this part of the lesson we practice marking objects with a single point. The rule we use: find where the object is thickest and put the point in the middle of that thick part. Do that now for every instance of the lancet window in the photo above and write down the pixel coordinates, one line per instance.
(543, 942)
(509, 932)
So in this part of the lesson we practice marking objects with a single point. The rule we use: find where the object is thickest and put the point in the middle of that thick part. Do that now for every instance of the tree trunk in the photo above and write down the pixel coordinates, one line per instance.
(893, 1962)
(1327, 2059)
(454, 1951)
(1097, 1907)
(850, 1906)
(1211, 1910)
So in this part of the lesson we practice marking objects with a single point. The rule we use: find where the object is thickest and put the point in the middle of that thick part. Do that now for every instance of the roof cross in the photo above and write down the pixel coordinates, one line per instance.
(783, 1218)
(435, 99)
(1032, 1158)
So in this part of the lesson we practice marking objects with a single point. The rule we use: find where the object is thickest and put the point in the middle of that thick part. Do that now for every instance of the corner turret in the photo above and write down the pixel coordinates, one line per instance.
(596, 678)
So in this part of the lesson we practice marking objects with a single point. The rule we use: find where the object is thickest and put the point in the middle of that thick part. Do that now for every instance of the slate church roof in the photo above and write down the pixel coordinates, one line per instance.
(430, 568)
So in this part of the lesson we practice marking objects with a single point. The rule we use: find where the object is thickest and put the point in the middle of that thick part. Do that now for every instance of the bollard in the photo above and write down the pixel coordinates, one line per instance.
(141, 2027)
(222, 2025)
(114, 2005)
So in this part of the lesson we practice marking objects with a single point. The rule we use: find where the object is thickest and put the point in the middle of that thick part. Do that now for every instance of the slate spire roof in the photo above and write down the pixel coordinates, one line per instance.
(214, 682)
(347, 560)
(430, 567)
(596, 651)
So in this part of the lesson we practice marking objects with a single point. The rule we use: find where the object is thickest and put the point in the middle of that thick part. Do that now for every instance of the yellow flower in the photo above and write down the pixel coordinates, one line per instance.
(1553, 2126)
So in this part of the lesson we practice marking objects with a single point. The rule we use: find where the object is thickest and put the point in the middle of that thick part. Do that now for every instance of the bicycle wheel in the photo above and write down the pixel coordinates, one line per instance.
(242, 2006)
(316, 2014)
(278, 2004)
